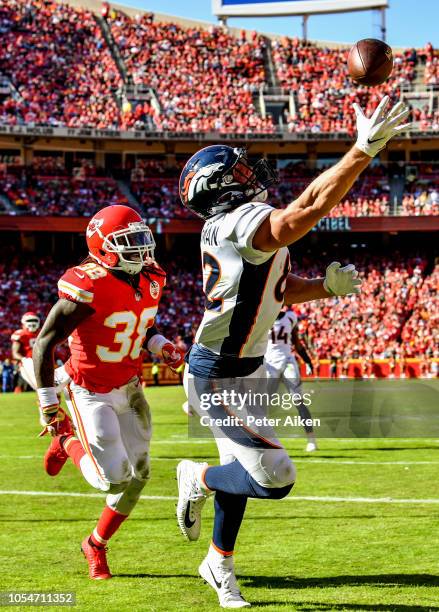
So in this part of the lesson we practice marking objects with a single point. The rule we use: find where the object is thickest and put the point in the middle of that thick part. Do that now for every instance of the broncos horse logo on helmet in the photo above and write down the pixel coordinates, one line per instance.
(219, 178)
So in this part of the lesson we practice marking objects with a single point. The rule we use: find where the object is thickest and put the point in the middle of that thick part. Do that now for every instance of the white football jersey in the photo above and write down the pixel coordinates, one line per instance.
(244, 287)
(280, 337)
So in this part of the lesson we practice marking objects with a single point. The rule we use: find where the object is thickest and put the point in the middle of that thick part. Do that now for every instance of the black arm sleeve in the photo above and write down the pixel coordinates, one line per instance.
(150, 332)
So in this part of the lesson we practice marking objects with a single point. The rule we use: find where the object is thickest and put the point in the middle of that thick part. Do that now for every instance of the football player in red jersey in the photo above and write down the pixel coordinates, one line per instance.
(22, 343)
(107, 306)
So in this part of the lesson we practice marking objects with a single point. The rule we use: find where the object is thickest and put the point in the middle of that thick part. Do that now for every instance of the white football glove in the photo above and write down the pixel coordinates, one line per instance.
(374, 133)
(308, 369)
(341, 281)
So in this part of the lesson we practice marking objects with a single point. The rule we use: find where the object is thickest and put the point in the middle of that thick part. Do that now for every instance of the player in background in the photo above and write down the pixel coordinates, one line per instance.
(247, 279)
(107, 306)
(23, 340)
(282, 366)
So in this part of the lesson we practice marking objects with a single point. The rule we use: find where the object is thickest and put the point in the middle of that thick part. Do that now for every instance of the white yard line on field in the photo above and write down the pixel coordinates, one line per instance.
(313, 498)
(74, 494)
(353, 462)
(307, 461)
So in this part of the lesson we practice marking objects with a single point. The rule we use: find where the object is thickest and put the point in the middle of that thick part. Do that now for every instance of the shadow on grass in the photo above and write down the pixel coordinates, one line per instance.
(376, 580)
(331, 517)
(141, 575)
(404, 448)
(319, 455)
(322, 607)
(149, 519)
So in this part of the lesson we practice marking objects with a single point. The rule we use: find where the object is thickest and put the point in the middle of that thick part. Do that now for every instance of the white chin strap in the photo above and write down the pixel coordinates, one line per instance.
(129, 267)
(261, 197)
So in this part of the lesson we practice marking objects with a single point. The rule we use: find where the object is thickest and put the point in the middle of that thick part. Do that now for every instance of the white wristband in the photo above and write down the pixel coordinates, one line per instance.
(156, 343)
(47, 397)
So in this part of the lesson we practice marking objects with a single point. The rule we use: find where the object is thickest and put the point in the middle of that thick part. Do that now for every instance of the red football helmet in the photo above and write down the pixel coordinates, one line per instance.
(118, 238)
(30, 321)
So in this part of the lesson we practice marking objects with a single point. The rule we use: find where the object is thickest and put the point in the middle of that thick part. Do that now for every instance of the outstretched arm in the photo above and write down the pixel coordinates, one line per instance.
(283, 227)
(64, 317)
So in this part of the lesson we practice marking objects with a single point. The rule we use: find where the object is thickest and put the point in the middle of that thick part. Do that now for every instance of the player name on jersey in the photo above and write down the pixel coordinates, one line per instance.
(209, 235)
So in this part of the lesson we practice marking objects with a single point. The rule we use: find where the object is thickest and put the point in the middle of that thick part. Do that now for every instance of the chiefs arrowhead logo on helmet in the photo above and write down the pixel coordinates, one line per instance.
(119, 239)
(94, 226)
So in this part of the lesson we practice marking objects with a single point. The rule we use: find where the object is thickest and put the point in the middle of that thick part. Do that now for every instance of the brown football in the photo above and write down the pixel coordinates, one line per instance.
(370, 61)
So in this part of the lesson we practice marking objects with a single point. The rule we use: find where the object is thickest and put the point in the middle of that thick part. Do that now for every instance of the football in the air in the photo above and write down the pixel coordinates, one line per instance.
(370, 61)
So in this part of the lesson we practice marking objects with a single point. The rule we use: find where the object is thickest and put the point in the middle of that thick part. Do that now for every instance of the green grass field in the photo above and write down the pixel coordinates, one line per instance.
(357, 552)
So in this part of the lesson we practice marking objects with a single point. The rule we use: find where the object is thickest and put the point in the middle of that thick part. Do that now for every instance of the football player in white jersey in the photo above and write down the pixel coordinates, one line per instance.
(247, 279)
(282, 366)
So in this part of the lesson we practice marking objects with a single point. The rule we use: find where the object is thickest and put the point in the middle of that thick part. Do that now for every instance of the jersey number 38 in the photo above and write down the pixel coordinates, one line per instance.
(130, 337)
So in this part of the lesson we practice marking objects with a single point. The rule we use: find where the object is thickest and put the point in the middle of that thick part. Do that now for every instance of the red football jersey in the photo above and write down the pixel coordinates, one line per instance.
(106, 348)
(27, 340)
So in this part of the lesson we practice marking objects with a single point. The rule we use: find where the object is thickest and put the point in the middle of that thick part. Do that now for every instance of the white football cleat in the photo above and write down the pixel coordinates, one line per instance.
(312, 444)
(221, 577)
(191, 498)
(187, 409)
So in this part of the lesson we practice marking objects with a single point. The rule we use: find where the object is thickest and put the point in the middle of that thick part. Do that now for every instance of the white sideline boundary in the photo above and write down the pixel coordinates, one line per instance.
(314, 498)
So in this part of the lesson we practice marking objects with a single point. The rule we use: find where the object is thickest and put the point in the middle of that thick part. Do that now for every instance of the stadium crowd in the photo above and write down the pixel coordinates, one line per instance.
(421, 202)
(59, 196)
(61, 72)
(370, 325)
(204, 78)
(27, 283)
(420, 334)
(59, 66)
(47, 188)
(431, 57)
(324, 92)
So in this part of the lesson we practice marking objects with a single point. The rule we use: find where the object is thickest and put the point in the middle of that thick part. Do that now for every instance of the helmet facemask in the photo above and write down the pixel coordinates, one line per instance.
(134, 247)
(31, 323)
(247, 183)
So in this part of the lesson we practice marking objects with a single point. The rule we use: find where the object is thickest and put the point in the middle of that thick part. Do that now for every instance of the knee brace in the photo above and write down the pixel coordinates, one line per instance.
(275, 469)
(284, 472)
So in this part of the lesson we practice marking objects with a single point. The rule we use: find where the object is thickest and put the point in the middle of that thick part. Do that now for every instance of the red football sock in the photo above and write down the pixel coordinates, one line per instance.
(108, 523)
(73, 448)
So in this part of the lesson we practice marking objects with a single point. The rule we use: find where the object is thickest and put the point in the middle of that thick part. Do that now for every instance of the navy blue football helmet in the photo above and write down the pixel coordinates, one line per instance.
(219, 178)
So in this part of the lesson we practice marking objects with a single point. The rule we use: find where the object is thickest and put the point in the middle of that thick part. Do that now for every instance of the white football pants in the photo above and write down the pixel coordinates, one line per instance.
(115, 431)
(271, 466)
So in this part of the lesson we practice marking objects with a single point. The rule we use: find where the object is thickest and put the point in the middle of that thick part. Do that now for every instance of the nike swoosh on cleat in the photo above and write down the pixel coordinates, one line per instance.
(375, 140)
(218, 584)
(187, 520)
